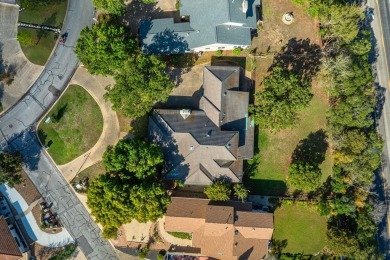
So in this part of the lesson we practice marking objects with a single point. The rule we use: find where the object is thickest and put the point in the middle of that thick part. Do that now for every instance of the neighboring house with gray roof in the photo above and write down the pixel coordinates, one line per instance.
(203, 145)
(210, 25)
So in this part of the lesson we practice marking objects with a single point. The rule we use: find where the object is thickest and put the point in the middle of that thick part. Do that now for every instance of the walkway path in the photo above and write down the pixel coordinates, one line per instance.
(95, 85)
(33, 230)
(29, 209)
(169, 238)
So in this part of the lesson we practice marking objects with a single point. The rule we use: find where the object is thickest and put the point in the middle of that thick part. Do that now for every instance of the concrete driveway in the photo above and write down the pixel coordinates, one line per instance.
(13, 57)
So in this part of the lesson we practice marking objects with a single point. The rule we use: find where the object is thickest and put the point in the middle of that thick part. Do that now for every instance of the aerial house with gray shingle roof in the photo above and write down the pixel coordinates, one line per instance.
(210, 25)
(203, 145)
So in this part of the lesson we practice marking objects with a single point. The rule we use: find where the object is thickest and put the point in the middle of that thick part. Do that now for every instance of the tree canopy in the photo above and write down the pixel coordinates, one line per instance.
(304, 176)
(10, 167)
(104, 48)
(133, 157)
(128, 191)
(283, 96)
(240, 191)
(111, 6)
(141, 83)
(220, 191)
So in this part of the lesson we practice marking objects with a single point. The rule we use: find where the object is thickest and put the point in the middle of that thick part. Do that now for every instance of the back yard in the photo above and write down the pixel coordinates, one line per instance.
(299, 229)
(294, 47)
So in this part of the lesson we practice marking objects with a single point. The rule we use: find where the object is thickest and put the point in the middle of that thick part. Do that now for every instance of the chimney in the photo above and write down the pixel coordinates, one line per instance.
(185, 113)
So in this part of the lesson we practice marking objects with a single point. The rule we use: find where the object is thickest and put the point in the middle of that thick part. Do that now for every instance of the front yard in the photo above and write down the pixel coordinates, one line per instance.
(299, 229)
(43, 42)
(75, 126)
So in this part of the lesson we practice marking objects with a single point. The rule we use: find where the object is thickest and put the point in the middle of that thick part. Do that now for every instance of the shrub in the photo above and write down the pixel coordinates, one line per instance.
(160, 256)
(218, 53)
(177, 5)
(141, 255)
(237, 51)
(287, 202)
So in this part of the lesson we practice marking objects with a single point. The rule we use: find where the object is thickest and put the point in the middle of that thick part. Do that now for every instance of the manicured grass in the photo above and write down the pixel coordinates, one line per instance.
(91, 172)
(40, 50)
(270, 168)
(77, 128)
(303, 229)
(181, 235)
(52, 14)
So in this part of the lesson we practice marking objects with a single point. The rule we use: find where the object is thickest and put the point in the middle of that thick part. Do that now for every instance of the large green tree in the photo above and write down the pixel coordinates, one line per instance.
(220, 191)
(133, 157)
(304, 176)
(149, 201)
(284, 94)
(142, 82)
(104, 48)
(128, 190)
(111, 6)
(10, 167)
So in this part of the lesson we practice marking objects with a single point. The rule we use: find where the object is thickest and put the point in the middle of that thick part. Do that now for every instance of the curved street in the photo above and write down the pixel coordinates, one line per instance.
(17, 132)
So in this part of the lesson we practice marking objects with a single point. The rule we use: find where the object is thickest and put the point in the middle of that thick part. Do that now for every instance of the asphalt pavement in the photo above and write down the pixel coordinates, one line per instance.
(380, 26)
(17, 132)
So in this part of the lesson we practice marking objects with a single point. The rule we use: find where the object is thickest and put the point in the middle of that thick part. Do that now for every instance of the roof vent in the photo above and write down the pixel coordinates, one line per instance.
(209, 133)
(224, 93)
(244, 6)
(191, 148)
(236, 232)
(229, 145)
(185, 113)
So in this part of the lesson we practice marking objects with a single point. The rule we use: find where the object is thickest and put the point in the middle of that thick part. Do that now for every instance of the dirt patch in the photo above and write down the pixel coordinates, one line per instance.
(27, 189)
(275, 34)
(44, 253)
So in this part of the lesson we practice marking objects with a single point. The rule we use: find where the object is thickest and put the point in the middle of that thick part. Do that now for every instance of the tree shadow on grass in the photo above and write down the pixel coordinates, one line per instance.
(312, 149)
(48, 21)
(299, 56)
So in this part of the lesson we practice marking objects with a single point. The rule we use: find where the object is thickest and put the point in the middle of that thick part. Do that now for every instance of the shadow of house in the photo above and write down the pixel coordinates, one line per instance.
(164, 42)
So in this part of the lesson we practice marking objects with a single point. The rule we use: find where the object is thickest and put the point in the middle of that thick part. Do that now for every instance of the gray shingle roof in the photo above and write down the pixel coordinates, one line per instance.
(208, 25)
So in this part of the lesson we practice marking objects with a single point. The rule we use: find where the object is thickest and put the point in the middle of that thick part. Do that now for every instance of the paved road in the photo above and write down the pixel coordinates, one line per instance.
(17, 127)
(381, 29)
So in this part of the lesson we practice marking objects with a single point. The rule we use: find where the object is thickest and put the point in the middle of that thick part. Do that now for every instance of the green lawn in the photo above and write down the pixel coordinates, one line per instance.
(92, 171)
(76, 125)
(181, 235)
(43, 41)
(301, 227)
(270, 166)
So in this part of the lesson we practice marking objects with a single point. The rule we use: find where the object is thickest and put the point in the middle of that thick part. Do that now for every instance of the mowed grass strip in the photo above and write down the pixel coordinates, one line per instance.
(52, 14)
(75, 127)
(301, 227)
(276, 149)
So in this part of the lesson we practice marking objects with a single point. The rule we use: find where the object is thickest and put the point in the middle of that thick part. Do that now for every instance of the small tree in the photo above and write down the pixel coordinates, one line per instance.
(219, 190)
(218, 53)
(240, 191)
(25, 38)
(10, 167)
(303, 176)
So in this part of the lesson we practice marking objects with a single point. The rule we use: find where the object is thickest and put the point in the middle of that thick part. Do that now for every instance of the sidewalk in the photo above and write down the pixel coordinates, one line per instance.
(30, 224)
(95, 86)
